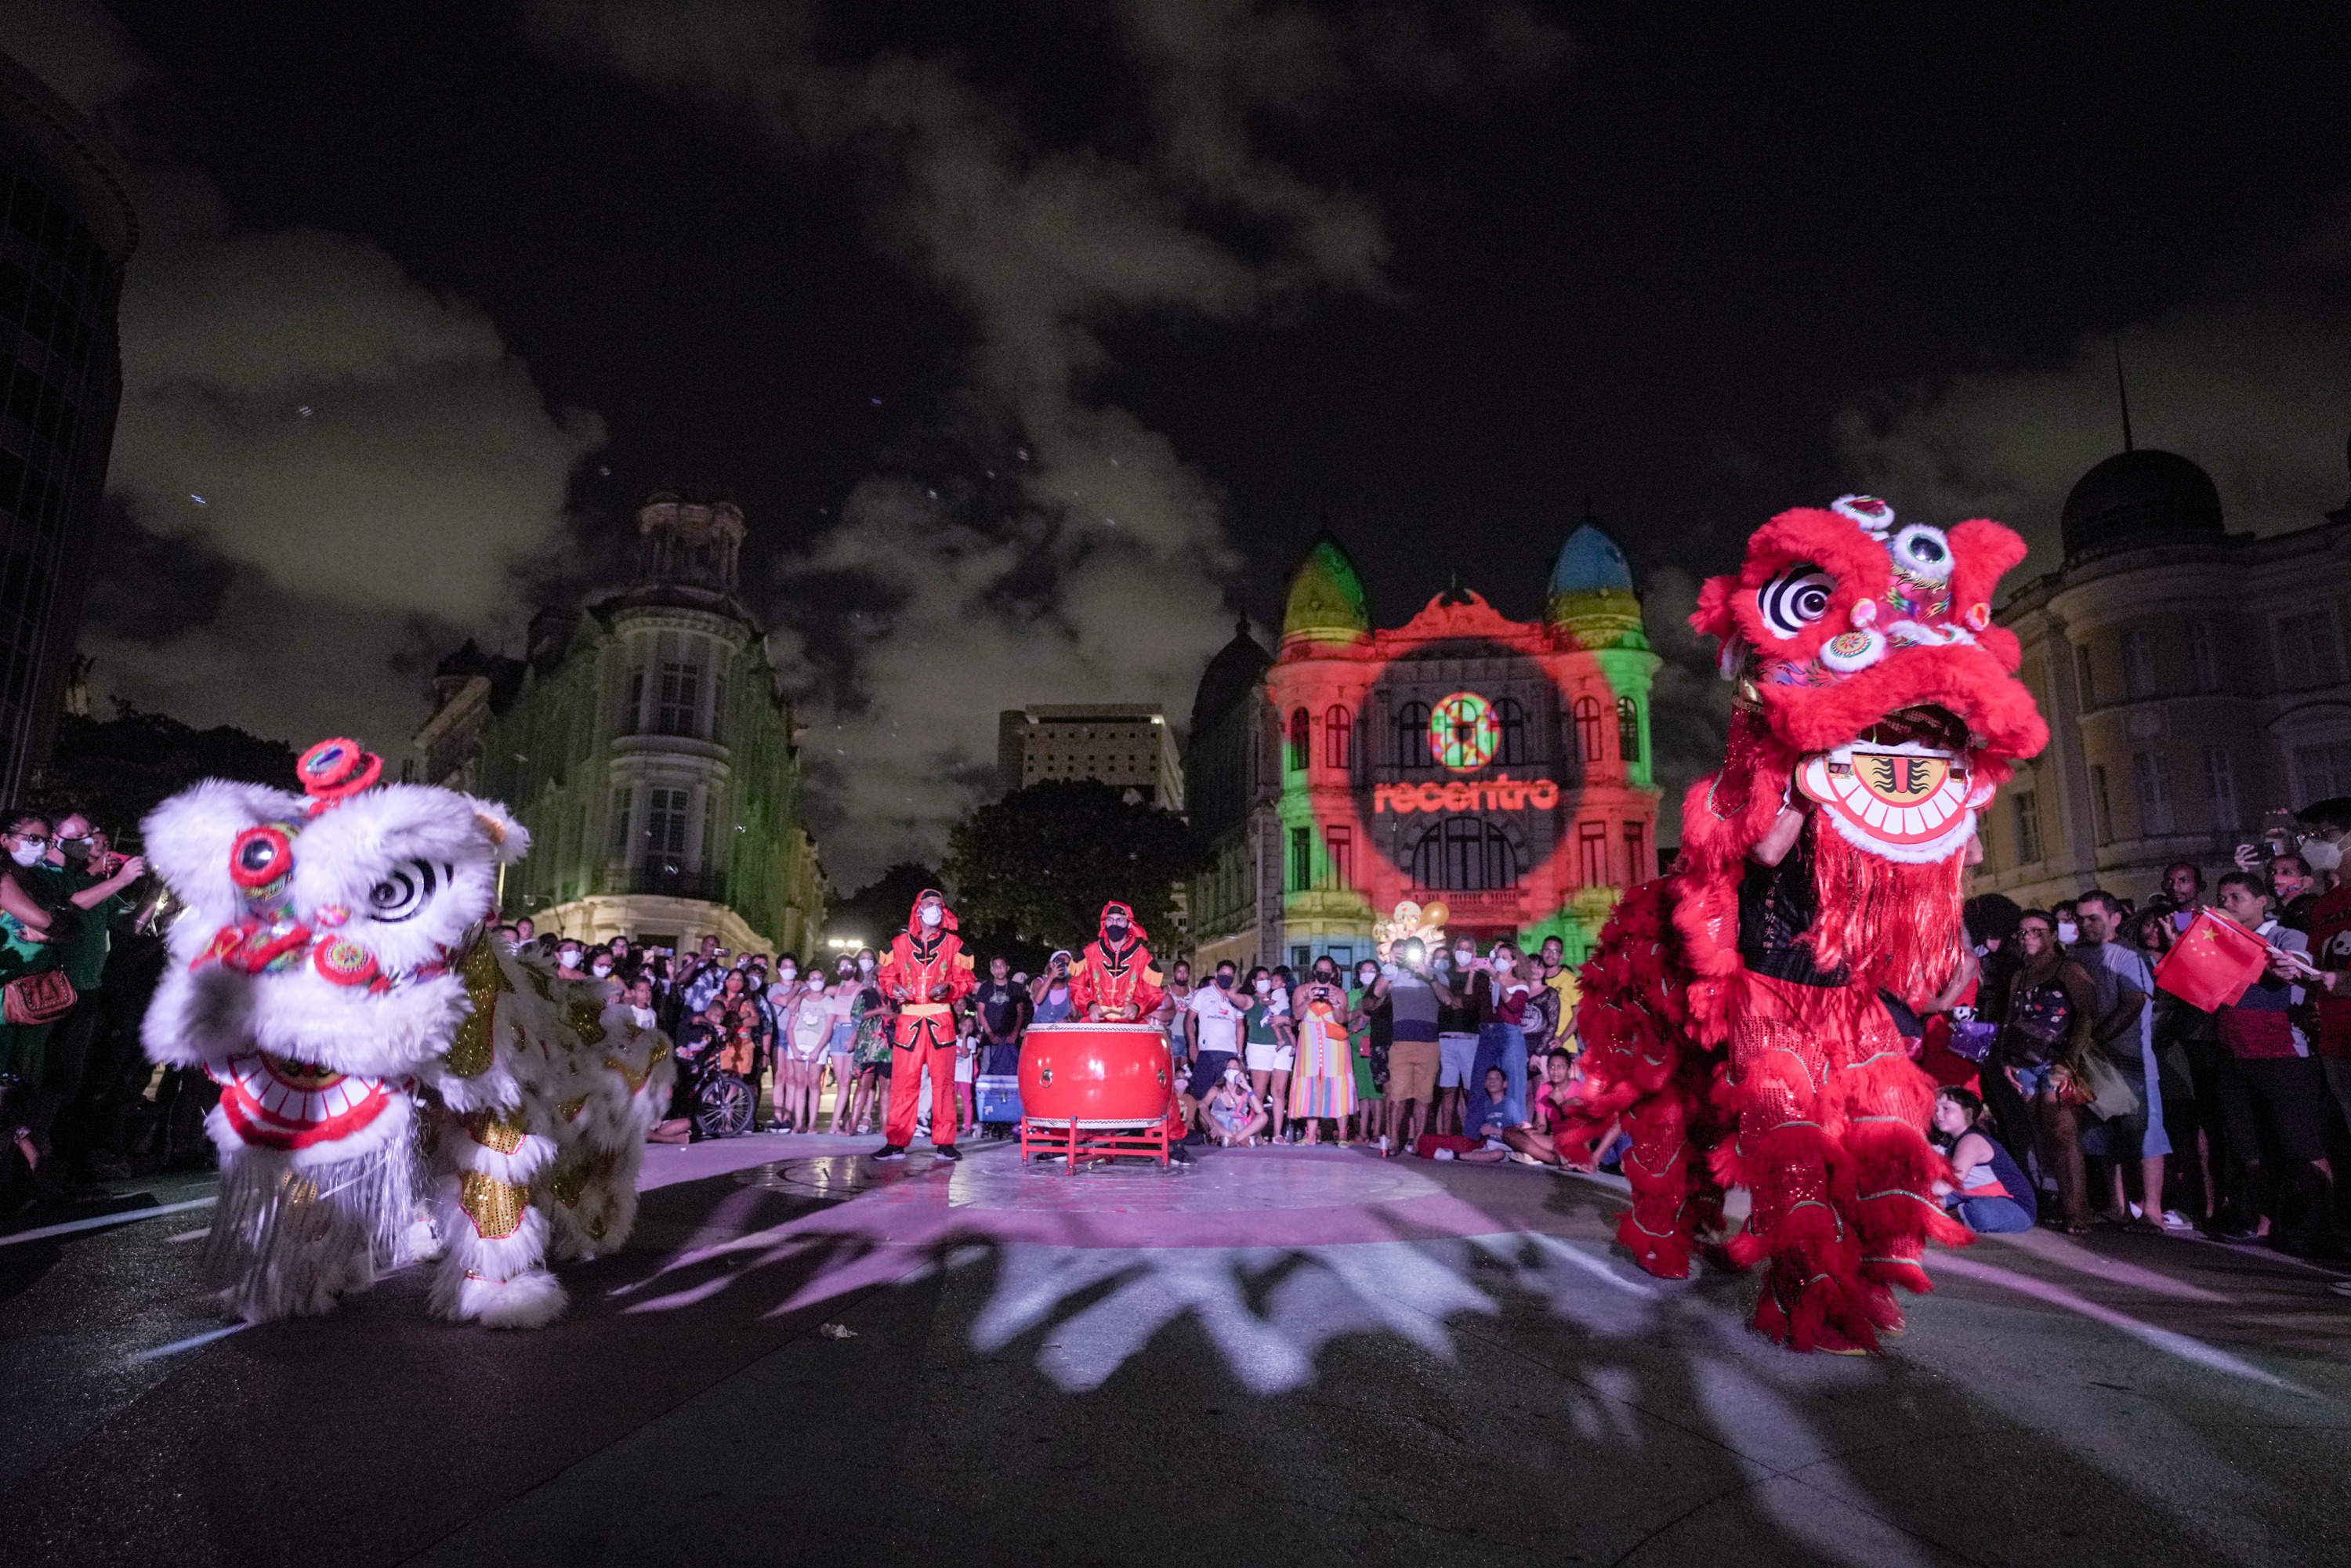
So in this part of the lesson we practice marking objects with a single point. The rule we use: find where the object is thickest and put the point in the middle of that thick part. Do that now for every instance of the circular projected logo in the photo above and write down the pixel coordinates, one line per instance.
(1462, 733)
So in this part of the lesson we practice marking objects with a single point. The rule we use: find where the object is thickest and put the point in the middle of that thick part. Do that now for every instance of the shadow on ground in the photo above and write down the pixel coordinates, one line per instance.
(1449, 1393)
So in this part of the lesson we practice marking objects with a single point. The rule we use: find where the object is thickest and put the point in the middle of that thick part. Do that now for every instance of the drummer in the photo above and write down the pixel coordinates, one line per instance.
(1116, 982)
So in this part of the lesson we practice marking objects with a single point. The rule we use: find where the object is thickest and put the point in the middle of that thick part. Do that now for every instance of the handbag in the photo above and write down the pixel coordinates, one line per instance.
(1972, 1039)
(33, 1000)
(2045, 1015)
(2111, 1094)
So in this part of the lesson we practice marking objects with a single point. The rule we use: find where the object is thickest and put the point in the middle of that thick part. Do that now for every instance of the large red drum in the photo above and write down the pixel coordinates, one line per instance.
(1094, 1075)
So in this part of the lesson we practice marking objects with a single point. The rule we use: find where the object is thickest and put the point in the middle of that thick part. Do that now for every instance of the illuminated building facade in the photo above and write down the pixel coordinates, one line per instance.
(1500, 767)
(645, 743)
(1124, 744)
(2193, 679)
(67, 227)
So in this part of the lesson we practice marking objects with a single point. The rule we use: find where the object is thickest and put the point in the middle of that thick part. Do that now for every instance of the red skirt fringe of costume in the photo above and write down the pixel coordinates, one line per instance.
(1811, 1103)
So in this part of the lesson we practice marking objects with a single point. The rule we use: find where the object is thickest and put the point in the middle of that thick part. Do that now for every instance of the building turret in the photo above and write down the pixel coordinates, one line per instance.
(1326, 597)
(689, 539)
(1591, 598)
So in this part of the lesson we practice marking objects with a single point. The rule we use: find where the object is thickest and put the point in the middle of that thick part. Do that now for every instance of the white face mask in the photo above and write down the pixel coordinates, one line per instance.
(1462, 956)
(788, 973)
(1263, 985)
(600, 970)
(571, 957)
(2320, 856)
(2068, 933)
(931, 916)
(26, 854)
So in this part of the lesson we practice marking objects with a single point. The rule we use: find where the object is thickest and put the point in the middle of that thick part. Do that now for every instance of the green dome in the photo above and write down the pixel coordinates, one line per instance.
(1326, 598)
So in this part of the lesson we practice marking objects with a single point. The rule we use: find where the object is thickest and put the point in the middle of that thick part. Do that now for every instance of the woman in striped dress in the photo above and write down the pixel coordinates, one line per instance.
(1323, 1079)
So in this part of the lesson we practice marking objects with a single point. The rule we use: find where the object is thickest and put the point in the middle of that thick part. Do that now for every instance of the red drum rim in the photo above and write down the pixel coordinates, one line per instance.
(1076, 1027)
(1092, 1124)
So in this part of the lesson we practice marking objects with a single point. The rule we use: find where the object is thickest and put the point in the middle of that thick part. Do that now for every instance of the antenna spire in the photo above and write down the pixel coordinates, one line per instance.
(2122, 395)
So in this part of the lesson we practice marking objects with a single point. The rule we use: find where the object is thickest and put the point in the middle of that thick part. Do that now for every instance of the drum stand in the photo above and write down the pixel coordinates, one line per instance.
(1076, 1140)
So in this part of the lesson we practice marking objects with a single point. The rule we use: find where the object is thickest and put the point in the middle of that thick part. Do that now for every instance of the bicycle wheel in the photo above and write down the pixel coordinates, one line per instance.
(726, 1108)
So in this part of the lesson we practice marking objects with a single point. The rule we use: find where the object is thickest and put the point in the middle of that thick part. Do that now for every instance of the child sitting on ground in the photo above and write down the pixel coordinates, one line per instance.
(1988, 1193)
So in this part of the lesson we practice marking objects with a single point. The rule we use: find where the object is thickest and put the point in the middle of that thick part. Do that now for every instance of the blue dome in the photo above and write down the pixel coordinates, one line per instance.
(1590, 560)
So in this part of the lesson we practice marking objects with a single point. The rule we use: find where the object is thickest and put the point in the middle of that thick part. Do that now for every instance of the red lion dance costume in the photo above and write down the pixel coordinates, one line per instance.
(1115, 982)
(926, 974)
(1732, 1014)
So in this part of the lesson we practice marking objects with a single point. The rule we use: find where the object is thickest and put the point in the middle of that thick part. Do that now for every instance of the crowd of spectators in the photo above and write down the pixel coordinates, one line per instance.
(2080, 1093)
(2075, 1092)
(79, 955)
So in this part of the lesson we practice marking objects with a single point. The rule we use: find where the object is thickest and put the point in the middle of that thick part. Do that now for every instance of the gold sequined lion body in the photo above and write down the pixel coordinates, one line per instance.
(395, 1082)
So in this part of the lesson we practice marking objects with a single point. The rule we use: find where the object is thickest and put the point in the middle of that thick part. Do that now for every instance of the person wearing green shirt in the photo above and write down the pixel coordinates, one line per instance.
(64, 878)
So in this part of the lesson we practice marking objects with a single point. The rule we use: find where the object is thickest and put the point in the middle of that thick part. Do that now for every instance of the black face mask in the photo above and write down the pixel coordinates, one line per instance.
(74, 850)
(1224, 982)
(1115, 930)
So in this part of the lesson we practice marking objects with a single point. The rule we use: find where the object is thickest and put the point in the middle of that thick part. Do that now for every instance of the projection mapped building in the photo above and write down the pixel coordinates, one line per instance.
(1498, 767)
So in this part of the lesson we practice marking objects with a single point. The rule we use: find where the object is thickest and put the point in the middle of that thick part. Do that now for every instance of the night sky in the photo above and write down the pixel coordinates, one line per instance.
(1439, 270)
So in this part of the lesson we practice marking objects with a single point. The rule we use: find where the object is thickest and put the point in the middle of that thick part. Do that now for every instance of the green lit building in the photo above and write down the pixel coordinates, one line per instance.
(1496, 767)
(645, 743)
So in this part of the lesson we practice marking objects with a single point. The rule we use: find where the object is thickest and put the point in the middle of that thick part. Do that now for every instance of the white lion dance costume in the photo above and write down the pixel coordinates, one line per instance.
(378, 1051)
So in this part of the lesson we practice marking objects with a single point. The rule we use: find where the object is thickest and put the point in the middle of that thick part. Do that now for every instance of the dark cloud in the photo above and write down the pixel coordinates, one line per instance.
(321, 466)
(1689, 703)
(2251, 380)
(1092, 563)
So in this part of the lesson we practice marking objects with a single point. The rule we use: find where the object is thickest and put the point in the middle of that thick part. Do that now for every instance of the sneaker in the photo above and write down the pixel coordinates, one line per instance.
(1177, 1157)
(945, 1152)
(891, 1152)
(2340, 1286)
(1445, 1153)
(2175, 1221)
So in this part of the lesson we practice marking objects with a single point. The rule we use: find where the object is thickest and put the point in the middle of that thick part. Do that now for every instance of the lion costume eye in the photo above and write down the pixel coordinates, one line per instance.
(1921, 551)
(1794, 598)
(404, 891)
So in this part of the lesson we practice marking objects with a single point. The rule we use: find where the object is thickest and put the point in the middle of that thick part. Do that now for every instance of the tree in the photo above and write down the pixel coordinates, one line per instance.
(121, 769)
(877, 912)
(1039, 865)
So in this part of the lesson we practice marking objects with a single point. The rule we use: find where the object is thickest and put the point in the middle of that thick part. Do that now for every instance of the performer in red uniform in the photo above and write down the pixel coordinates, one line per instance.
(1115, 982)
(925, 976)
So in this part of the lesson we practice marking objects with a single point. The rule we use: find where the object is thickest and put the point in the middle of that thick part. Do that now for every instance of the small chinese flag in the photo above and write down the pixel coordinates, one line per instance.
(2213, 963)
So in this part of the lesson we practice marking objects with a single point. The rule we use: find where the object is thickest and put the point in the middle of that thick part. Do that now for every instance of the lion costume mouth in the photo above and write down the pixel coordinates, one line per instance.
(276, 1104)
(1905, 788)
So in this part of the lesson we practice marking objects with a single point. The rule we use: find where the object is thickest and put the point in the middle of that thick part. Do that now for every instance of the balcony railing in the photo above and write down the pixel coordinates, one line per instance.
(667, 880)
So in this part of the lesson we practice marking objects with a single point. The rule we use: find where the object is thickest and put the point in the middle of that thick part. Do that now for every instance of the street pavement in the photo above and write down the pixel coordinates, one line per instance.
(1276, 1356)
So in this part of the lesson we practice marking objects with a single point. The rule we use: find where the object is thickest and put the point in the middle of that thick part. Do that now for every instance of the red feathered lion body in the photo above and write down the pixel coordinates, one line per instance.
(1876, 697)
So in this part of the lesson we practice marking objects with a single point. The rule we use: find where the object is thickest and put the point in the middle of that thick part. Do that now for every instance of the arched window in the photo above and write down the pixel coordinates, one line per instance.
(1464, 854)
(1587, 731)
(1512, 720)
(1628, 730)
(1301, 740)
(1338, 739)
(1412, 736)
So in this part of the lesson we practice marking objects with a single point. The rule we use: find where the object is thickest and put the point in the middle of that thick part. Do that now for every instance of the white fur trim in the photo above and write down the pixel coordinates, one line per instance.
(525, 1302)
